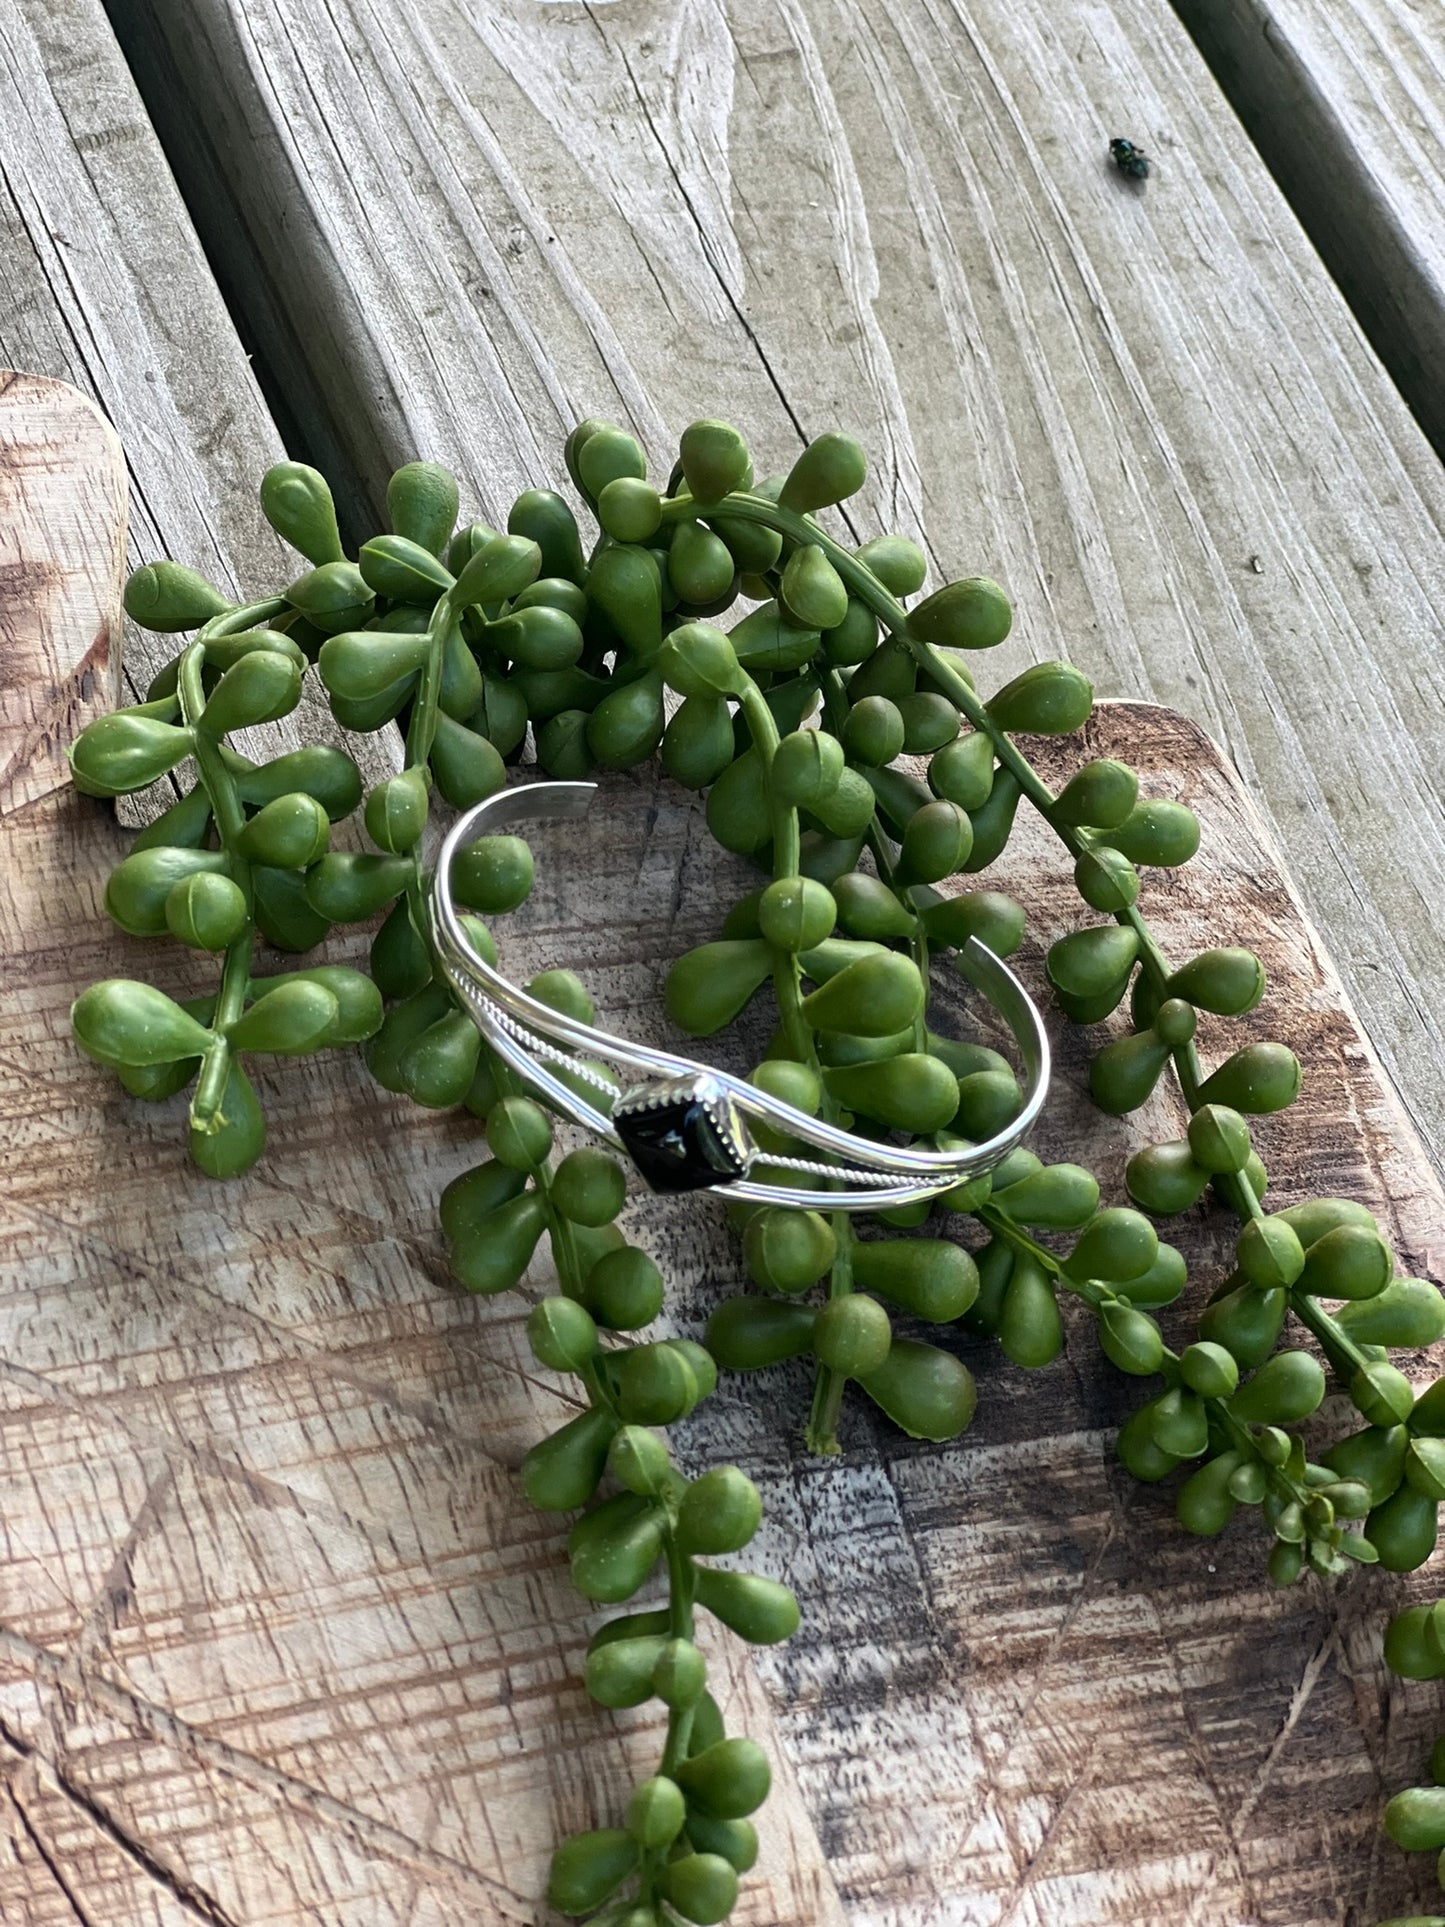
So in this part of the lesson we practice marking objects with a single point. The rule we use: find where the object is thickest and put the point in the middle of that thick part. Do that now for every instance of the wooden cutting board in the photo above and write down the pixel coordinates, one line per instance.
(281, 1642)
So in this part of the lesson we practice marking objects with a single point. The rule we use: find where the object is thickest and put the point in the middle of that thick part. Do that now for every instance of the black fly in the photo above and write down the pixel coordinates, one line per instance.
(1129, 159)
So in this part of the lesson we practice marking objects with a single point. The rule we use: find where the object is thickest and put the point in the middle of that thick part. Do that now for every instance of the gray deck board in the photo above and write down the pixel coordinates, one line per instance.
(1347, 106)
(103, 284)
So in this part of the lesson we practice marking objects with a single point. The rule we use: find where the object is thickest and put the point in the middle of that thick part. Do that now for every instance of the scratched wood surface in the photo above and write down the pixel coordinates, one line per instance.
(457, 229)
(280, 1642)
(1347, 107)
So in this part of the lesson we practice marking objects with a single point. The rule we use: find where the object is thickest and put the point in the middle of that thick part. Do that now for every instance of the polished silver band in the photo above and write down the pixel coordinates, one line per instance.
(684, 1124)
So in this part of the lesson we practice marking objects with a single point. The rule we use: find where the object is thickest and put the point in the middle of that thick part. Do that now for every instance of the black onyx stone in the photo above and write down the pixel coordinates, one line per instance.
(677, 1145)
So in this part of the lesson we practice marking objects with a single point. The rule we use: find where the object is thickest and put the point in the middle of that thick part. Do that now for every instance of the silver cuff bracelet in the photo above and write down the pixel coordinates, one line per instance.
(684, 1125)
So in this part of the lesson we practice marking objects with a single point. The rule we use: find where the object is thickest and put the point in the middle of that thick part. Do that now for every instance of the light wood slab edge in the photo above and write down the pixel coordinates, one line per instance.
(62, 549)
(1399, 1125)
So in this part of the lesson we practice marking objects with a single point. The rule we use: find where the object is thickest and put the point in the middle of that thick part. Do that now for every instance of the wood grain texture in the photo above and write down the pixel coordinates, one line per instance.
(281, 1643)
(1149, 413)
(103, 284)
(1347, 107)
(60, 567)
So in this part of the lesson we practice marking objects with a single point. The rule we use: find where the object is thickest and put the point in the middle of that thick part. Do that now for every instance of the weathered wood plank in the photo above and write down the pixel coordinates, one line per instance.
(1148, 412)
(279, 1638)
(103, 284)
(1347, 106)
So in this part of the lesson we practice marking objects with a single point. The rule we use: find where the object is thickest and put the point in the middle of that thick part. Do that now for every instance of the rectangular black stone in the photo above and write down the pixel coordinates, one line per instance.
(677, 1144)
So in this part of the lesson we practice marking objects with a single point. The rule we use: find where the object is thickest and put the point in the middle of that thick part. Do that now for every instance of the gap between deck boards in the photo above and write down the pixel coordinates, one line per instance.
(1371, 211)
(1330, 179)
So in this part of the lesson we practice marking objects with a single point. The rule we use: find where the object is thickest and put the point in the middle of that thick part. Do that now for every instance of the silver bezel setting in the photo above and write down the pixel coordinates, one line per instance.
(704, 1158)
